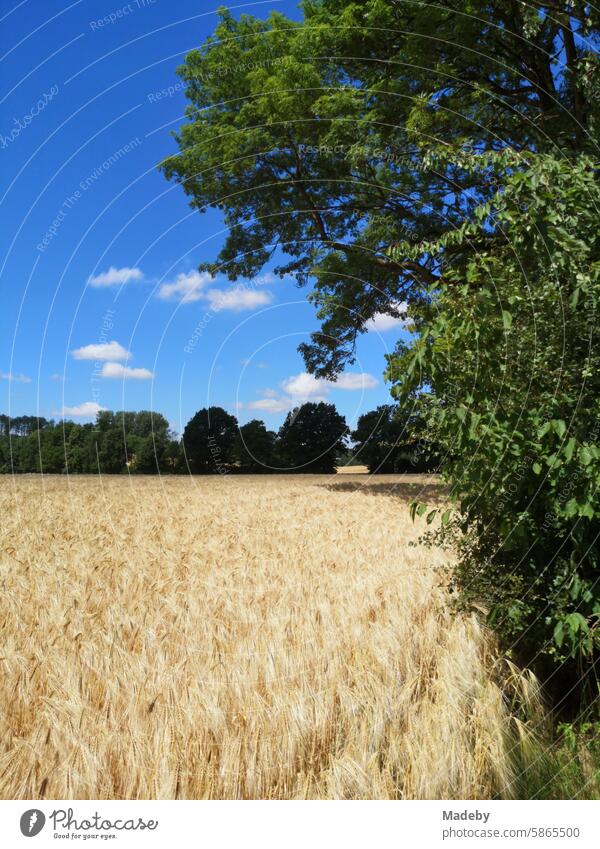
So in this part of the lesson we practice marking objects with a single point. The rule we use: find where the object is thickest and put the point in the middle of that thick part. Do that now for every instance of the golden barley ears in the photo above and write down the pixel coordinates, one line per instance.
(234, 638)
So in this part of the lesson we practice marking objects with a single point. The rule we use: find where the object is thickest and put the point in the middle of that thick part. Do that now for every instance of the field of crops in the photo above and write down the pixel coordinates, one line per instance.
(236, 637)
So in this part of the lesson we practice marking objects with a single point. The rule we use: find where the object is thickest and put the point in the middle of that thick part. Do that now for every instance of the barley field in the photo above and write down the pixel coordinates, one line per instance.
(237, 637)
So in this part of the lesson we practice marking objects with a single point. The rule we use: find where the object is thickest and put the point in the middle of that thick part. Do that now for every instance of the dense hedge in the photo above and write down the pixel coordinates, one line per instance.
(515, 334)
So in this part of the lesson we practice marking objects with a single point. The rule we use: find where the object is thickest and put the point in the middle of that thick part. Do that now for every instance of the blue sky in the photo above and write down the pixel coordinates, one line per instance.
(103, 306)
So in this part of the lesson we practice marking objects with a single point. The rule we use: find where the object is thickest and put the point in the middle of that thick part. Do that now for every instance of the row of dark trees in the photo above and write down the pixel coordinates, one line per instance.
(314, 438)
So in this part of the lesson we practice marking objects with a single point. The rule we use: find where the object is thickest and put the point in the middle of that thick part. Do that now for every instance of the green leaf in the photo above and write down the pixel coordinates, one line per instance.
(507, 319)
(559, 634)
(543, 430)
(446, 516)
(570, 447)
(571, 508)
(536, 468)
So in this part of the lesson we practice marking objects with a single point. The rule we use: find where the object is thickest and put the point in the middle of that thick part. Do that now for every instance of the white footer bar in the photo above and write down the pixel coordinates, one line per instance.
(300, 824)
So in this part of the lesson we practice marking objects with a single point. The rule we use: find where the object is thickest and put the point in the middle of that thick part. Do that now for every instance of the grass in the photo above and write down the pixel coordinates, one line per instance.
(234, 637)
(567, 767)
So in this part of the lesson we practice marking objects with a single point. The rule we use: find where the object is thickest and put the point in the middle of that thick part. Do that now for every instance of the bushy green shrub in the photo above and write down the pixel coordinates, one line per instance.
(508, 367)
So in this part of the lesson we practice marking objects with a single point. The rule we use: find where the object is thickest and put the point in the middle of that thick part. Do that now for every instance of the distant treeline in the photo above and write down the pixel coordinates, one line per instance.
(313, 438)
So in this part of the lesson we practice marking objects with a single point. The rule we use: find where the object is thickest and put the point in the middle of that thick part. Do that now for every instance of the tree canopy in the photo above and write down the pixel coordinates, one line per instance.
(390, 440)
(209, 439)
(311, 438)
(310, 138)
(255, 448)
(139, 442)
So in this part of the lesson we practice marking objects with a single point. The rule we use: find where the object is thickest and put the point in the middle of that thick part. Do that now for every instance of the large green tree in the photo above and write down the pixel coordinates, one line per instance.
(391, 439)
(209, 439)
(255, 448)
(310, 137)
(311, 438)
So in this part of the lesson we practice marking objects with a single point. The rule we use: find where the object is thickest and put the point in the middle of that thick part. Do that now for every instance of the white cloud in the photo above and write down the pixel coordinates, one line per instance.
(355, 380)
(56, 377)
(14, 378)
(102, 351)
(116, 276)
(308, 386)
(87, 409)
(266, 279)
(237, 299)
(271, 405)
(116, 370)
(192, 286)
(304, 387)
(383, 321)
(187, 287)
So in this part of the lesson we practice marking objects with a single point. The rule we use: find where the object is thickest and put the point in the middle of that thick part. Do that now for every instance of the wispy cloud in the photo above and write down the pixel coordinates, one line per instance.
(103, 351)
(87, 409)
(56, 377)
(116, 277)
(14, 378)
(121, 372)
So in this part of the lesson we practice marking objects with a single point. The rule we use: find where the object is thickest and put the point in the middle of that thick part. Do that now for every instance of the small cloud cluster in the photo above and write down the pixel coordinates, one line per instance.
(304, 387)
(193, 286)
(116, 277)
(121, 372)
(102, 351)
(187, 287)
(112, 354)
(88, 409)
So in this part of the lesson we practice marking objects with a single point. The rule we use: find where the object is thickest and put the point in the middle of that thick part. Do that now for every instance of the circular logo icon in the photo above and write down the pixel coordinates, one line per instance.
(32, 822)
